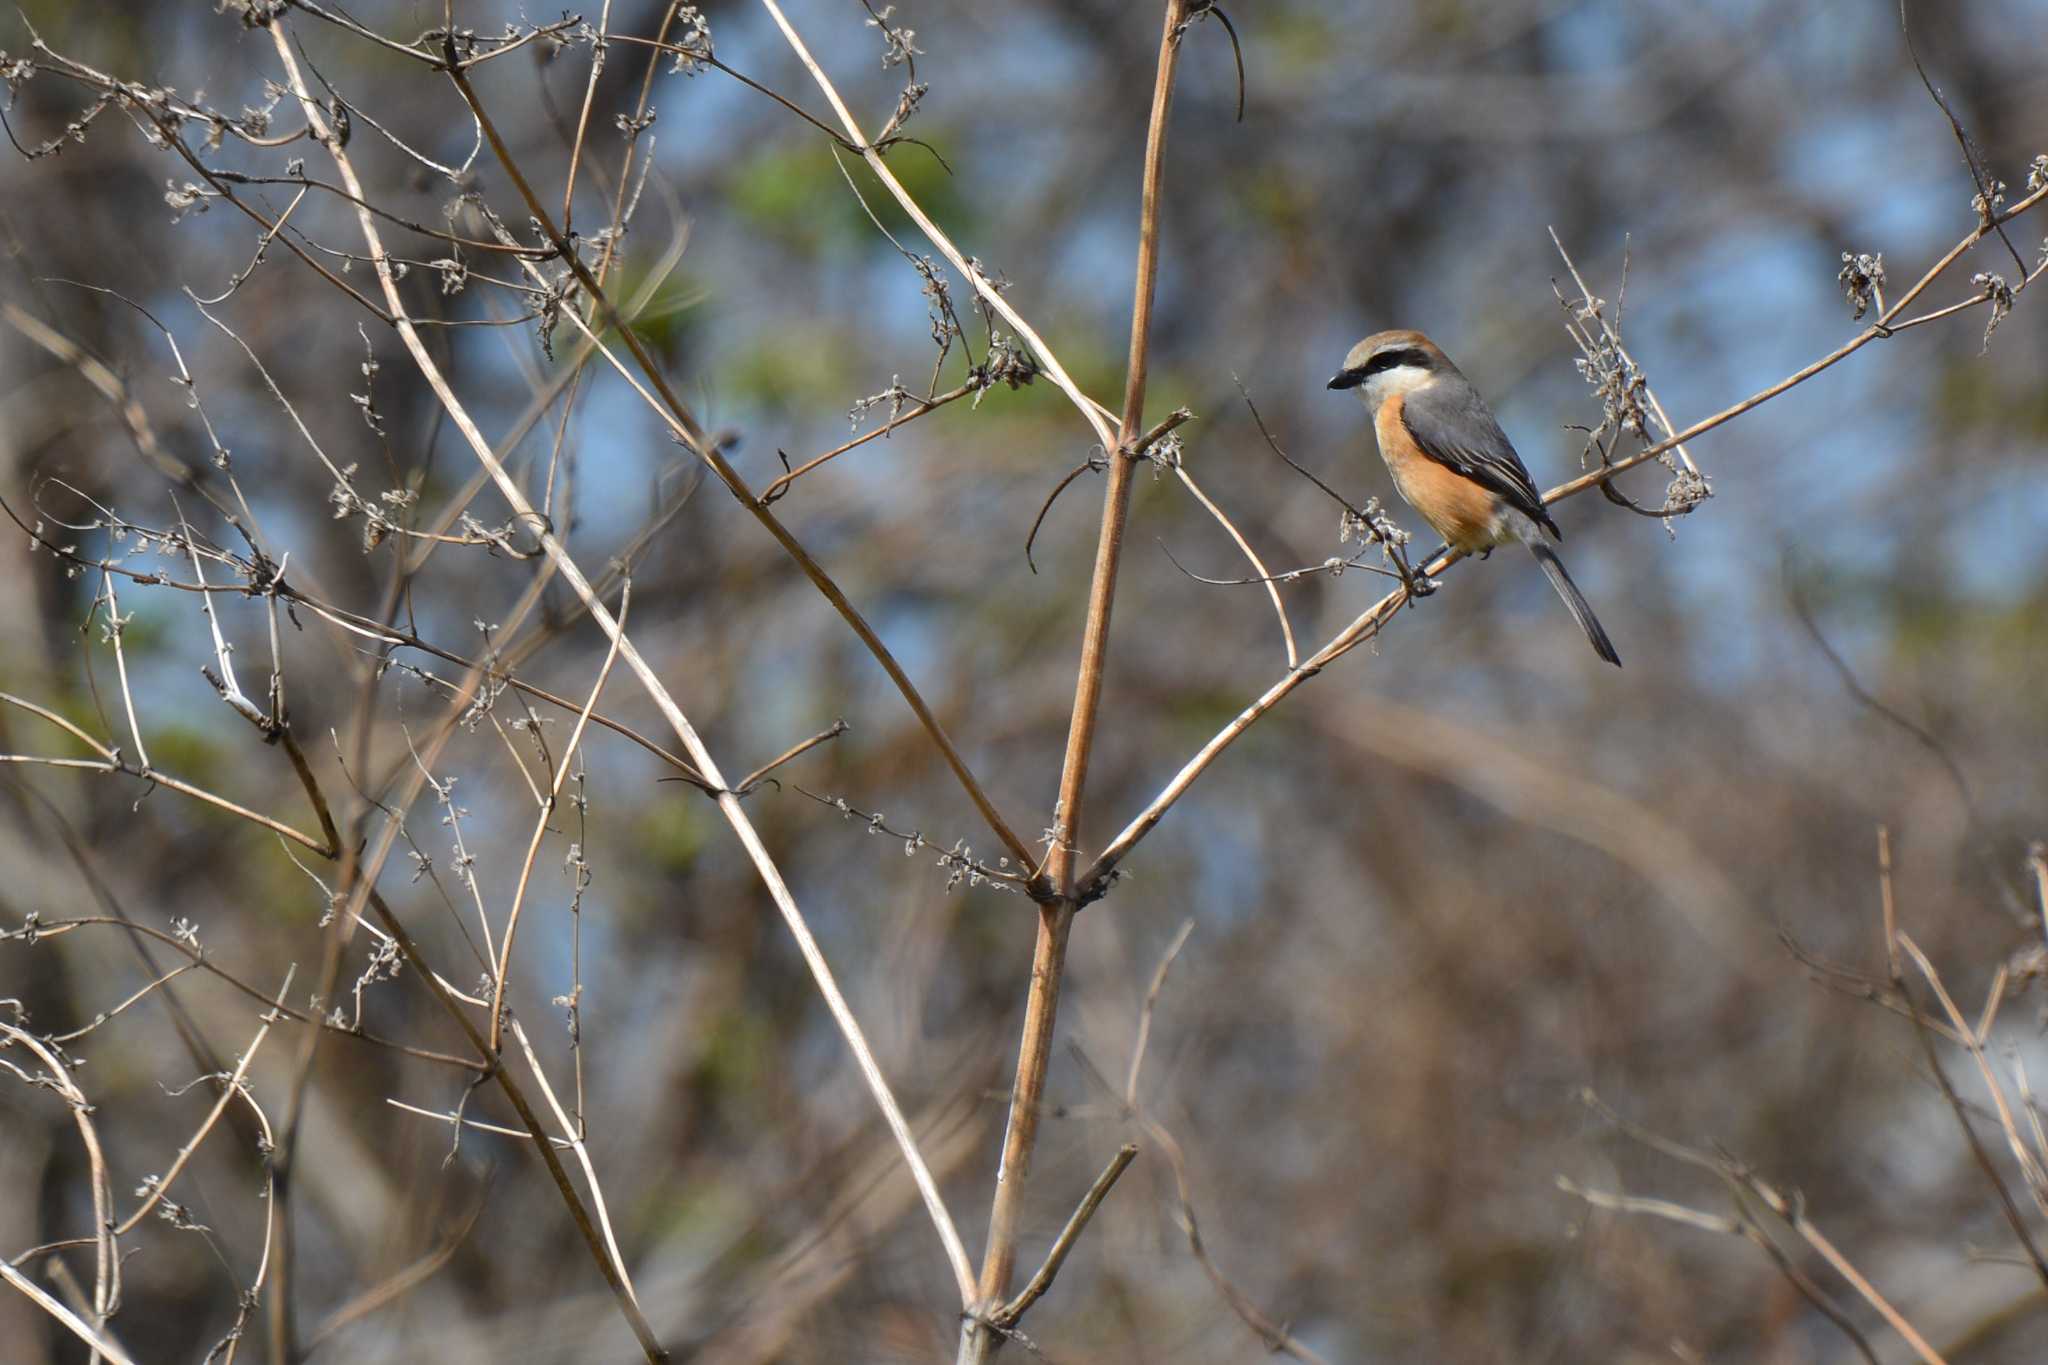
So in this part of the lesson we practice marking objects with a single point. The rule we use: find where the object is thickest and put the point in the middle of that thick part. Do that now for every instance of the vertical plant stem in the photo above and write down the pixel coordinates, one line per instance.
(1055, 919)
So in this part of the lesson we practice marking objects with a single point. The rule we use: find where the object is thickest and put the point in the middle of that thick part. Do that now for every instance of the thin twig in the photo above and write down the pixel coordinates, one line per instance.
(597, 56)
(540, 825)
(1258, 565)
(2037, 863)
(1973, 159)
(1274, 1334)
(982, 284)
(1744, 1227)
(1792, 1209)
(1863, 697)
(582, 1150)
(1095, 462)
(101, 1344)
(400, 1284)
(2037, 1183)
(1836, 977)
(110, 761)
(52, 928)
(115, 629)
(230, 1086)
(107, 1258)
(1034, 1289)
(754, 778)
(1656, 1208)
(775, 490)
(1180, 939)
(1888, 909)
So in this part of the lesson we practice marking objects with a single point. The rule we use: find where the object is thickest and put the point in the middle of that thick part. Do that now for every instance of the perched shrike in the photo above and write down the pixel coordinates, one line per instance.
(1451, 460)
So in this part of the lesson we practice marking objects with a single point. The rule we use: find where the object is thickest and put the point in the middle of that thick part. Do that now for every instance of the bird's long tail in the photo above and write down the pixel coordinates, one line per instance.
(1553, 568)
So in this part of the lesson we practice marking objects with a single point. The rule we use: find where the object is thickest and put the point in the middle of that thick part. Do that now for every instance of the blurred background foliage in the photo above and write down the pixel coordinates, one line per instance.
(1462, 876)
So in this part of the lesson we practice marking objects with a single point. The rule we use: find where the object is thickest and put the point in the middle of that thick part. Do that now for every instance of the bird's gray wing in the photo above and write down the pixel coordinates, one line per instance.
(1453, 427)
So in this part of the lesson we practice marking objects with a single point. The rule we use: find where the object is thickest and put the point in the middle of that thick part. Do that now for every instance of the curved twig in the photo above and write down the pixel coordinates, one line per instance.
(1272, 588)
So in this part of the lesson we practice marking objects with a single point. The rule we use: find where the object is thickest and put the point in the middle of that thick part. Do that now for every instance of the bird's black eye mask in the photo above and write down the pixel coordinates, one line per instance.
(1379, 363)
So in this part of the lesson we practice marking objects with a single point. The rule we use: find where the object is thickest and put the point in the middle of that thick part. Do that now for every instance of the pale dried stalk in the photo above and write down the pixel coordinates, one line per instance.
(229, 687)
(110, 762)
(1744, 1227)
(452, 1001)
(274, 1212)
(142, 992)
(2037, 863)
(2027, 1105)
(497, 669)
(473, 1125)
(360, 874)
(74, 1324)
(1655, 1208)
(1895, 939)
(199, 961)
(1258, 565)
(1093, 880)
(575, 1143)
(1792, 1211)
(370, 863)
(728, 804)
(1888, 907)
(597, 55)
(1973, 1040)
(229, 1089)
(1814, 1238)
(114, 630)
(1047, 361)
(540, 823)
(106, 1250)
(452, 817)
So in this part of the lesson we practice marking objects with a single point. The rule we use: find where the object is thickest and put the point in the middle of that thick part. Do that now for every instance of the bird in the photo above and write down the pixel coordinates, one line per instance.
(1451, 461)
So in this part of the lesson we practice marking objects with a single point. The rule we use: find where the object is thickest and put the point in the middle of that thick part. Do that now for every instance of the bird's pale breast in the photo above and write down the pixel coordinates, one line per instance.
(1463, 512)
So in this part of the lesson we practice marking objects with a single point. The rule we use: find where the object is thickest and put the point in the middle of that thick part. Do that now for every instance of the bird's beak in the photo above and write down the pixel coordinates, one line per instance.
(1348, 379)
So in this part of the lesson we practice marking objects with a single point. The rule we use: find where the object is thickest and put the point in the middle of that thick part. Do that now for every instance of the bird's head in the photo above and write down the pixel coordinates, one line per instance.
(1389, 363)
